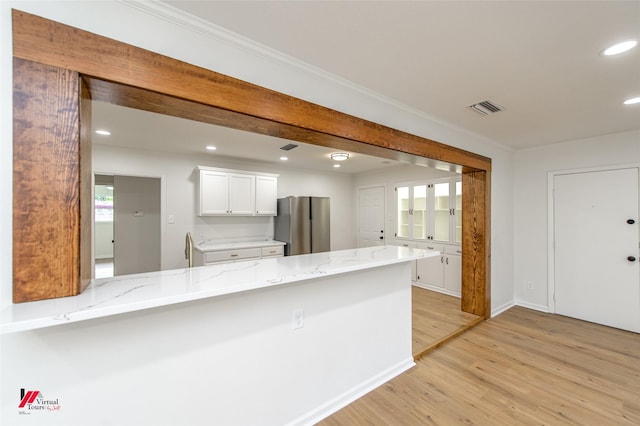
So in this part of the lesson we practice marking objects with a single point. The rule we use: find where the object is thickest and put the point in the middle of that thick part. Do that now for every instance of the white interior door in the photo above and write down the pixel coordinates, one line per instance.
(136, 219)
(597, 273)
(371, 217)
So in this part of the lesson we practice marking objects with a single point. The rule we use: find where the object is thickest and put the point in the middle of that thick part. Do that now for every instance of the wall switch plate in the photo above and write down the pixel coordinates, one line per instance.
(171, 218)
(530, 285)
(298, 319)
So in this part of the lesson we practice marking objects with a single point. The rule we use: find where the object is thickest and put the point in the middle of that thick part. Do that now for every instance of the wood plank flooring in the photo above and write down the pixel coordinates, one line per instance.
(436, 318)
(521, 368)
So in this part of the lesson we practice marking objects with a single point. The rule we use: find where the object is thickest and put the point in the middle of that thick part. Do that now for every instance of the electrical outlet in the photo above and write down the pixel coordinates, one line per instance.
(530, 285)
(298, 319)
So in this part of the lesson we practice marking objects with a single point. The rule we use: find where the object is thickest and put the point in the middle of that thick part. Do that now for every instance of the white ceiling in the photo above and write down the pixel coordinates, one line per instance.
(540, 60)
(132, 128)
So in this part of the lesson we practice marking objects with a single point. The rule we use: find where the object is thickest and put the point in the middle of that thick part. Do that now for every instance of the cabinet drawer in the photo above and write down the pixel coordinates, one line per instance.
(453, 250)
(430, 247)
(273, 251)
(224, 256)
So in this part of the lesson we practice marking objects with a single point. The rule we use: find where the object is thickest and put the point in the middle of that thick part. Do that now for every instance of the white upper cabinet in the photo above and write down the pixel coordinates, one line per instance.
(235, 192)
(266, 195)
(430, 211)
(214, 193)
(241, 194)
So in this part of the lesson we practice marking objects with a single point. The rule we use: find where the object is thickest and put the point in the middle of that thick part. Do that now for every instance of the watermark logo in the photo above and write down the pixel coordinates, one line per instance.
(33, 401)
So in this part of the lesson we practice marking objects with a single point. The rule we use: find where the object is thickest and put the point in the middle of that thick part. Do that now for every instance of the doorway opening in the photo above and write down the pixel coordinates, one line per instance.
(103, 226)
(127, 225)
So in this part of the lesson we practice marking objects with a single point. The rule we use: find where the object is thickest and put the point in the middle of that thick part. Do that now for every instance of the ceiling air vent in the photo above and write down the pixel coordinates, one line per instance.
(486, 107)
(288, 147)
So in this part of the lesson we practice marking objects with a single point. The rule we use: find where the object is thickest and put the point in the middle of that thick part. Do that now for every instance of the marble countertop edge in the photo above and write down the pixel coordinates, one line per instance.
(130, 293)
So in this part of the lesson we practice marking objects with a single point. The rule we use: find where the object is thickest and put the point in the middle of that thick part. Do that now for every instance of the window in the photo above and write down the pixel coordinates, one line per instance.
(103, 203)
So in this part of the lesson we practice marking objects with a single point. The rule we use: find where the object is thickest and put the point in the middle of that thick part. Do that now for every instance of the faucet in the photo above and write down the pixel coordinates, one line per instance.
(188, 250)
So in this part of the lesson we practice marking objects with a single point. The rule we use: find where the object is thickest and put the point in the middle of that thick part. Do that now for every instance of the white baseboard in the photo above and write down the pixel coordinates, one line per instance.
(533, 306)
(500, 309)
(325, 410)
(436, 289)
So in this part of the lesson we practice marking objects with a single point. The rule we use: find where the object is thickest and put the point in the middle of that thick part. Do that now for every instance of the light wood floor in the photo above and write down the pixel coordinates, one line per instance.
(520, 368)
(436, 318)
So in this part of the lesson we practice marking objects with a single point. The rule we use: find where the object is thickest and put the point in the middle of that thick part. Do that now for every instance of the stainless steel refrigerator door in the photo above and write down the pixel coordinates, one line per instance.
(320, 224)
(300, 227)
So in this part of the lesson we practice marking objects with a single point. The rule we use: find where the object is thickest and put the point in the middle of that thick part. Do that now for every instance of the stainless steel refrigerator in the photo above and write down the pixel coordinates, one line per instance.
(304, 224)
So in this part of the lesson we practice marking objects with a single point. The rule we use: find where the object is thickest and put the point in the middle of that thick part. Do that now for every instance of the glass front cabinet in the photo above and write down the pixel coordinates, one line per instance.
(429, 216)
(430, 211)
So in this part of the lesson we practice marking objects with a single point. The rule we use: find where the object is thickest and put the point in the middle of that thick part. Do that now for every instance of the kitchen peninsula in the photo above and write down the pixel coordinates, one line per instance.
(283, 340)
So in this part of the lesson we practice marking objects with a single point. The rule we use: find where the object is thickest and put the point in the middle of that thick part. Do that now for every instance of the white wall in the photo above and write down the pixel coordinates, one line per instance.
(532, 167)
(180, 180)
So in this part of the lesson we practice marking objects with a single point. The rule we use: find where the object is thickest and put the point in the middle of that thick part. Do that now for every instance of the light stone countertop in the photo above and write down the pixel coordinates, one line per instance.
(129, 293)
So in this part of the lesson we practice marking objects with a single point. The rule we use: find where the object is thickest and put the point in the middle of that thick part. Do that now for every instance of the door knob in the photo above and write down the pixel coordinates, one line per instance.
(631, 221)
(631, 259)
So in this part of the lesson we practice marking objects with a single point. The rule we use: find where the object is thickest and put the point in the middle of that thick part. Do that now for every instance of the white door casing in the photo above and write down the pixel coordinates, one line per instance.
(371, 216)
(591, 277)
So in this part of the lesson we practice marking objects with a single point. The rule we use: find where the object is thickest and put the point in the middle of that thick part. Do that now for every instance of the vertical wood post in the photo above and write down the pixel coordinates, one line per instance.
(46, 182)
(476, 237)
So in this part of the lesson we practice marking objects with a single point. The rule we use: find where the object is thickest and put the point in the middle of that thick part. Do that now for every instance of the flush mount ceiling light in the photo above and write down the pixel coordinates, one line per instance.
(211, 148)
(336, 166)
(103, 132)
(339, 156)
(616, 49)
(632, 101)
(284, 158)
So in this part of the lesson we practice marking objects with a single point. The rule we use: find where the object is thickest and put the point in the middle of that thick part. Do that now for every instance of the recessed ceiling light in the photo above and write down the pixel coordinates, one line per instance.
(284, 158)
(103, 132)
(339, 156)
(337, 166)
(211, 148)
(632, 101)
(616, 49)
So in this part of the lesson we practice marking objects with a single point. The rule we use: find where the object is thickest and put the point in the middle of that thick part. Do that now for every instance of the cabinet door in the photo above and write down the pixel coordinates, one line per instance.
(430, 272)
(453, 273)
(214, 193)
(241, 194)
(441, 212)
(402, 212)
(266, 195)
(457, 211)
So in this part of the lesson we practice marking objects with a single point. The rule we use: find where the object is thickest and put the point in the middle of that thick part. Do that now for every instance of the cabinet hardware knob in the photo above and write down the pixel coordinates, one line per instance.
(631, 259)
(631, 221)
(382, 238)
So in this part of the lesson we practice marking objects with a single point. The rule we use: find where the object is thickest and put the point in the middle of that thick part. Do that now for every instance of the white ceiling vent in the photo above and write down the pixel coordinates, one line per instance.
(486, 107)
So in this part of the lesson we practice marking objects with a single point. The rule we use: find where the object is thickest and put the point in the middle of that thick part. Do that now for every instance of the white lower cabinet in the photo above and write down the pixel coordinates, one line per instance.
(442, 273)
(226, 256)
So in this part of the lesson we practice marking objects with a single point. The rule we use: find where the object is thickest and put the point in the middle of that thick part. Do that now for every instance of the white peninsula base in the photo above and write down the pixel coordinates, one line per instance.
(286, 354)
